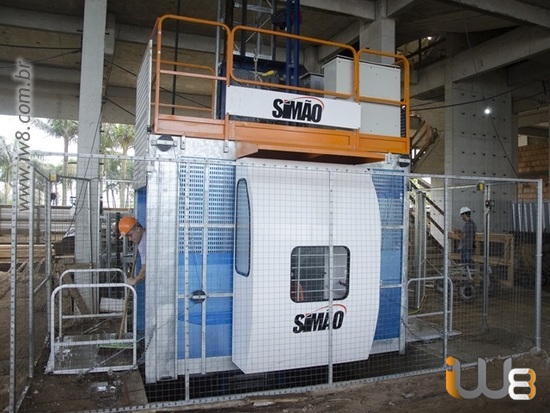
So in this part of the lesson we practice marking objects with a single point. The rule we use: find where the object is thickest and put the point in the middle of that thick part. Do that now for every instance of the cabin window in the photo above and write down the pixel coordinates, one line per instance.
(242, 229)
(310, 275)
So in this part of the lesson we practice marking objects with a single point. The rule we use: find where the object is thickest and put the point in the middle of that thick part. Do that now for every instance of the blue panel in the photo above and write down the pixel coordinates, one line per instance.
(391, 211)
(196, 194)
(220, 240)
(220, 206)
(389, 316)
(220, 273)
(390, 192)
(141, 205)
(195, 273)
(388, 185)
(141, 215)
(221, 199)
(391, 256)
(206, 227)
(218, 328)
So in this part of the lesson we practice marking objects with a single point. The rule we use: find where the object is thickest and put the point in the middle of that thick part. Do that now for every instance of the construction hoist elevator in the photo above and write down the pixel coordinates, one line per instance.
(276, 211)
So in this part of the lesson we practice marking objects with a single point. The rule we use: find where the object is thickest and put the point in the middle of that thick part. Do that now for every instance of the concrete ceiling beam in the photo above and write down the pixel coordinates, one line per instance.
(536, 68)
(513, 46)
(509, 9)
(535, 117)
(394, 7)
(49, 22)
(533, 131)
(346, 36)
(361, 9)
(48, 74)
(125, 33)
(531, 96)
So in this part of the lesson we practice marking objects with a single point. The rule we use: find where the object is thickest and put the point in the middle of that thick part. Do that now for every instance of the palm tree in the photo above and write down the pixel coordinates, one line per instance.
(6, 152)
(68, 131)
(58, 170)
(117, 137)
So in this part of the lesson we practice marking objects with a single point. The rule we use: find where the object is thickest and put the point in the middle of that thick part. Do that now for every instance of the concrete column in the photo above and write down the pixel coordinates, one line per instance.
(480, 144)
(379, 35)
(89, 124)
(310, 60)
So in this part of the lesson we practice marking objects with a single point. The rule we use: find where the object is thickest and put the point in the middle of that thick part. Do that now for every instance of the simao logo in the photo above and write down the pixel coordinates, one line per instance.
(319, 319)
(509, 383)
(306, 109)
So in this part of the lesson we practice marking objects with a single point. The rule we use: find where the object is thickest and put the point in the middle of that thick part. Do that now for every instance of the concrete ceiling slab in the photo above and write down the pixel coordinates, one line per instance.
(48, 33)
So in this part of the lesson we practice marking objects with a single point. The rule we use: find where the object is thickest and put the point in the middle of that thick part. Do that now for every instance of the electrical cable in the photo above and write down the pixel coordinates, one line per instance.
(107, 99)
(161, 88)
(72, 51)
(20, 46)
(417, 109)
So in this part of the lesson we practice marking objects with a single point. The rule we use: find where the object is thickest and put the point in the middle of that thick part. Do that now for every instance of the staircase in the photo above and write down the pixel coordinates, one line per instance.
(425, 251)
(426, 143)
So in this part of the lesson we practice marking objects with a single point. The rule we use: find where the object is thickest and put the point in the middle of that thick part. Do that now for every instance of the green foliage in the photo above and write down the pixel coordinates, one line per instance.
(6, 152)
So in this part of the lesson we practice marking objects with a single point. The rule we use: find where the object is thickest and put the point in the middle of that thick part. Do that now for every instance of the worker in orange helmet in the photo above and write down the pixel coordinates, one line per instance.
(130, 228)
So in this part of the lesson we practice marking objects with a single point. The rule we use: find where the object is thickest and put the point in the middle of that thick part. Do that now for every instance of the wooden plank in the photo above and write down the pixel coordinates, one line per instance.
(63, 265)
(505, 260)
(24, 239)
(23, 252)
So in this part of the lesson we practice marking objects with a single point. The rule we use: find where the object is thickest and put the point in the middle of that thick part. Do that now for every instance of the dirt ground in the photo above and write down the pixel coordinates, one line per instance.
(418, 394)
(415, 394)
(4, 333)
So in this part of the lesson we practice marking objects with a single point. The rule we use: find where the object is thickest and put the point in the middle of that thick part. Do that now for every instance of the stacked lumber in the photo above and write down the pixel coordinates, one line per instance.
(23, 252)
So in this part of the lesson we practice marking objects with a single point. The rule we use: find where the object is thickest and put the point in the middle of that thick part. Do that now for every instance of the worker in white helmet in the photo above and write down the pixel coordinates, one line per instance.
(467, 236)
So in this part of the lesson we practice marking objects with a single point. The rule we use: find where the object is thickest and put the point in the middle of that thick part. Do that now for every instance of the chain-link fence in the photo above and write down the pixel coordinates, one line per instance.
(272, 277)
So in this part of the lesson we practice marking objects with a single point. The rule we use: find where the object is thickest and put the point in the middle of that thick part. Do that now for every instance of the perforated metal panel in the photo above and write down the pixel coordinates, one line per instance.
(143, 115)
(390, 189)
(205, 256)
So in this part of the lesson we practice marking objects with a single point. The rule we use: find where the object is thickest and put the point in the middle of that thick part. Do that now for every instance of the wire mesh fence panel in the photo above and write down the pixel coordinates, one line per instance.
(39, 264)
(478, 253)
(213, 279)
(29, 265)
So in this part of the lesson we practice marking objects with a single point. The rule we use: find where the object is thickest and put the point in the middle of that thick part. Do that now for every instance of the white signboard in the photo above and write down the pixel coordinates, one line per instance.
(290, 107)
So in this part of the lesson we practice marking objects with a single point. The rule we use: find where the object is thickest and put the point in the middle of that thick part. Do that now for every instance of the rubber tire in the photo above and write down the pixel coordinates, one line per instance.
(467, 291)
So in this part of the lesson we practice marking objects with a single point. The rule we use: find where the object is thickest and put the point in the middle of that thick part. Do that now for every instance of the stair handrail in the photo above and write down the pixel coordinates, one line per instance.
(422, 184)
(417, 138)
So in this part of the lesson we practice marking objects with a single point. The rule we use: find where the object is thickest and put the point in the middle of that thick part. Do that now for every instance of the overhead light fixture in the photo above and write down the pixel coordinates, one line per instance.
(429, 37)
(487, 110)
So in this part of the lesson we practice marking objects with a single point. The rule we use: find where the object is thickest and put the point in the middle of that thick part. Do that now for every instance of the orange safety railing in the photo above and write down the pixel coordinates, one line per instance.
(160, 61)
(210, 76)
(318, 42)
(173, 117)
